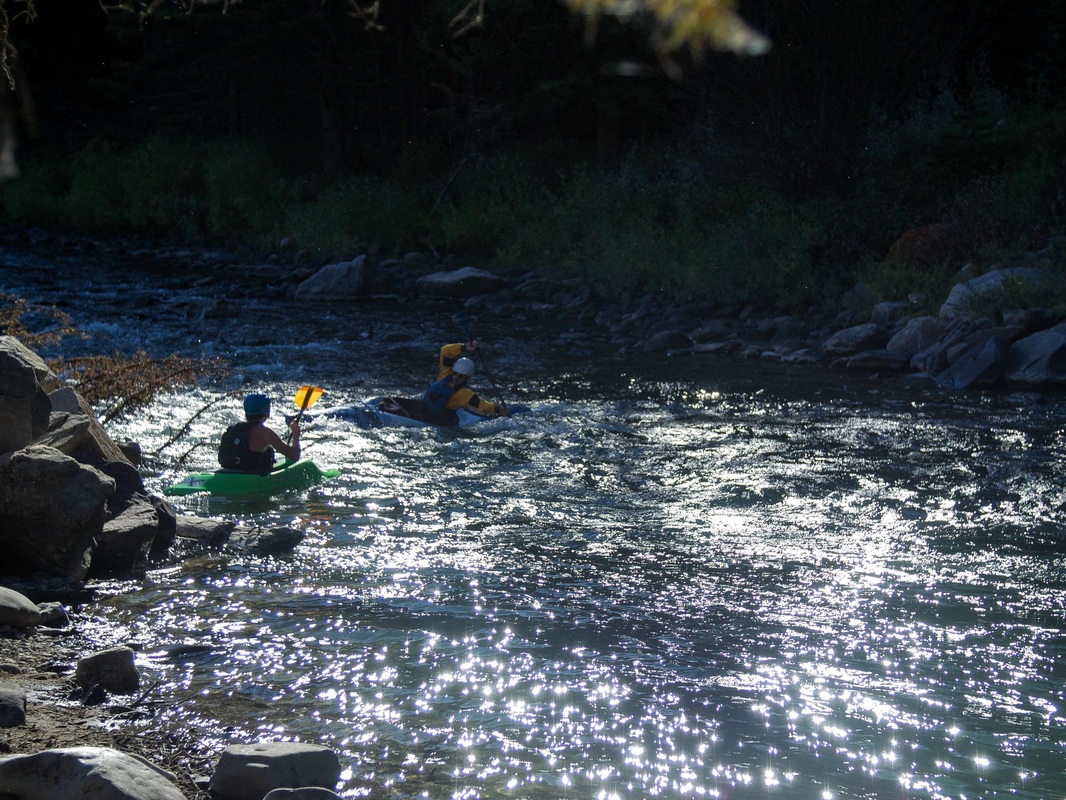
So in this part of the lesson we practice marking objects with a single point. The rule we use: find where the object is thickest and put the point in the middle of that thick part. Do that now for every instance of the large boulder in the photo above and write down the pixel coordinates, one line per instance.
(85, 773)
(99, 445)
(250, 771)
(916, 335)
(980, 364)
(343, 281)
(67, 433)
(667, 341)
(977, 294)
(51, 510)
(460, 283)
(17, 610)
(113, 670)
(25, 381)
(1038, 360)
(849, 341)
(126, 540)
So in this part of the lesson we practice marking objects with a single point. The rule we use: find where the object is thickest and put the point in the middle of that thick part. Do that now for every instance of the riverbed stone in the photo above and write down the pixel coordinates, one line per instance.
(98, 445)
(980, 292)
(113, 670)
(24, 404)
(303, 793)
(460, 283)
(341, 281)
(981, 364)
(43, 491)
(916, 335)
(17, 610)
(207, 532)
(667, 341)
(1038, 360)
(877, 360)
(265, 541)
(250, 771)
(12, 708)
(126, 539)
(855, 339)
(99, 773)
(67, 433)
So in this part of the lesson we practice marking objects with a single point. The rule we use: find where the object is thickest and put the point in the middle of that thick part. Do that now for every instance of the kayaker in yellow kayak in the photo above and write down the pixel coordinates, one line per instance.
(249, 446)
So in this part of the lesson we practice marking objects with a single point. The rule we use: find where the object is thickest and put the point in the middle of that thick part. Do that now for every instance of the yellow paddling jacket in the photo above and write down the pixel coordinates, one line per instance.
(461, 397)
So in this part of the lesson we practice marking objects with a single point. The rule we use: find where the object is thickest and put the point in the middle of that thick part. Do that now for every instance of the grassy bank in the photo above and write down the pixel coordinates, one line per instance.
(660, 223)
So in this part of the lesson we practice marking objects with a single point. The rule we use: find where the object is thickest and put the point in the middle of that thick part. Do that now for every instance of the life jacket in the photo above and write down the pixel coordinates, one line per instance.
(437, 396)
(233, 452)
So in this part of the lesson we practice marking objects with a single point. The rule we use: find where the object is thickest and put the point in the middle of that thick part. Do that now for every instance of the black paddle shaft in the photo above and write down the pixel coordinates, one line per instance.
(481, 358)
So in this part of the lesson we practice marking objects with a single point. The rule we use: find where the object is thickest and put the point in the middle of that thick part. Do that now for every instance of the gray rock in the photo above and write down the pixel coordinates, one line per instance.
(977, 293)
(65, 401)
(715, 330)
(208, 532)
(112, 670)
(886, 313)
(127, 539)
(666, 341)
(43, 490)
(460, 283)
(980, 365)
(84, 773)
(343, 281)
(97, 442)
(12, 708)
(67, 433)
(1038, 360)
(249, 772)
(853, 340)
(916, 335)
(304, 793)
(24, 404)
(265, 541)
(17, 610)
(876, 360)
(53, 614)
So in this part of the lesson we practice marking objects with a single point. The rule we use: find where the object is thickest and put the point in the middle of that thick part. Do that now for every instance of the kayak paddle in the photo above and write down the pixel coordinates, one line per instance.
(481, 358)
(306, 396)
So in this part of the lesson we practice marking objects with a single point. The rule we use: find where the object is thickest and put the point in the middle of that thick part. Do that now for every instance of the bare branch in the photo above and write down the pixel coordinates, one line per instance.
(476, 20)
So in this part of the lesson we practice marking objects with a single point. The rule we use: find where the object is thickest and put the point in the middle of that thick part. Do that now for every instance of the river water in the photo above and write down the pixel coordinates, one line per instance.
(673, 578)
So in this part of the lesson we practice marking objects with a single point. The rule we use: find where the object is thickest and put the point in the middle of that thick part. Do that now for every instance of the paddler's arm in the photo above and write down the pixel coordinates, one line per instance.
(465, 398)
(450, 353)
(291, 452)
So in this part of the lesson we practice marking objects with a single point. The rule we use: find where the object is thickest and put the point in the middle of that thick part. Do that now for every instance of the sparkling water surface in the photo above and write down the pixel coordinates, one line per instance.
(674, 577)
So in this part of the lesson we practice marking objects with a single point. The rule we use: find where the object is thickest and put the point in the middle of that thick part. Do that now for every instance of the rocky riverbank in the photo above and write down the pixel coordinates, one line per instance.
(73, 507)
(983, 336)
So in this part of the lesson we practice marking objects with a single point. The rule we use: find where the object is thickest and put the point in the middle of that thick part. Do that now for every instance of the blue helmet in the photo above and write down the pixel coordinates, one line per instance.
(255, 405)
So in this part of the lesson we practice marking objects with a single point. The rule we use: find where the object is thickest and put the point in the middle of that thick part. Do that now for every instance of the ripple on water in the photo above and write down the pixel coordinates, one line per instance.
(676, 578)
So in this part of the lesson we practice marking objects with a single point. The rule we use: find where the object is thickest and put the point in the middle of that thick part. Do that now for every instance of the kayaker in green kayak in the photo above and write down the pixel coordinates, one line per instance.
(249, 446)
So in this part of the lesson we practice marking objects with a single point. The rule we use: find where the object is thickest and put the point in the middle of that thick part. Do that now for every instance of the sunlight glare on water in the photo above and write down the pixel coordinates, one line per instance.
(673, 578)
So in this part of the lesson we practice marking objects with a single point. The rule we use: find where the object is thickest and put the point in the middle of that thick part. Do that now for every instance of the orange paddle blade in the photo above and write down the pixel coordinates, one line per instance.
(307, 396)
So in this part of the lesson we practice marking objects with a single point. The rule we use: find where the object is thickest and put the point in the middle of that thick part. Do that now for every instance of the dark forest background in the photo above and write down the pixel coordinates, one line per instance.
(785, 178)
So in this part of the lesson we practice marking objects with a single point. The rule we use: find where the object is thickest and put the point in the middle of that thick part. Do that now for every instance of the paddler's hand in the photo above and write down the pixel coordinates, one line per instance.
(294, 426)
(471, 346)
(502, 410)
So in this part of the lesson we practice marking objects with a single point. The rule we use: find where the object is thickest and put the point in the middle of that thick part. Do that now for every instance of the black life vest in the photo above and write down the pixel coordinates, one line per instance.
(233, 452)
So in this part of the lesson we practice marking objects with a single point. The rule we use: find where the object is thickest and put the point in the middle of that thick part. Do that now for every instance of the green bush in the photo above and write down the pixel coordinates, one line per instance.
(357, 216)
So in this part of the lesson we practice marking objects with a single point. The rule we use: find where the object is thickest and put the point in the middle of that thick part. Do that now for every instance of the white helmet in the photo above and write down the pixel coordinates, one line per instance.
(464, 366)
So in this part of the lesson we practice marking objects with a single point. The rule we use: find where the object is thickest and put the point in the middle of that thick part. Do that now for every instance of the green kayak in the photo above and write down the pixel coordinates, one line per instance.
(294, 475)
